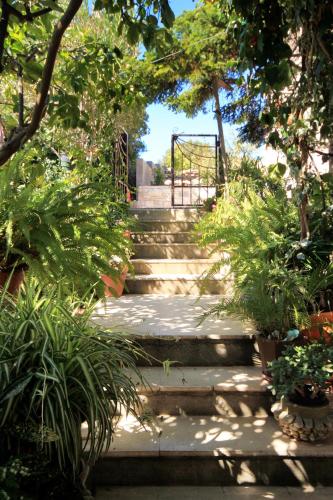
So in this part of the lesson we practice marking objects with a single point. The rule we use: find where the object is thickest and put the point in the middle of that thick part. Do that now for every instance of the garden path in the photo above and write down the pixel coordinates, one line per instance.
(207, 422)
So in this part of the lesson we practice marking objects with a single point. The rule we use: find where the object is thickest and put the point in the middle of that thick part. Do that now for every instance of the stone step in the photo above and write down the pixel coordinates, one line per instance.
(175, 284)
(228, 391)
(171, 251)
(166, 214)
(211, 451)
(214, 493)
(168, 328)
(226, 350)
(165, 226)
(158, 237)
(176, 267)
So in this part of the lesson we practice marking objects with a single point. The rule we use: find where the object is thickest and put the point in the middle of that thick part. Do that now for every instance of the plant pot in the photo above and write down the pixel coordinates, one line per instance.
(114, 287)
(269, 350)
(320, 329)
(15, 278)
(303, 423)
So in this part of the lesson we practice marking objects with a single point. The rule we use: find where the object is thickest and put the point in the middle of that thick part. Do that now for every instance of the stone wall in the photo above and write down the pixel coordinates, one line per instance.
(153, 197)
(144, 173)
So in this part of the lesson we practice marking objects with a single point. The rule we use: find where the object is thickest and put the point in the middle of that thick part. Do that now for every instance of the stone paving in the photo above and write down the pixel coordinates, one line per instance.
(159, 315)
(214, 493)
(208, 422)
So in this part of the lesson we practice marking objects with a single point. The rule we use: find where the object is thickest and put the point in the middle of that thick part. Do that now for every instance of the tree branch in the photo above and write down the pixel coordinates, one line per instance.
(3, 29)
(20, 90)
(324, 49)
(29, 16)
(22, 135)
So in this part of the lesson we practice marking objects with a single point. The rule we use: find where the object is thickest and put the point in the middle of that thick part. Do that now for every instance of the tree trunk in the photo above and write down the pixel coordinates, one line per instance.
(223, 157)
(303, 206)
(23, 134)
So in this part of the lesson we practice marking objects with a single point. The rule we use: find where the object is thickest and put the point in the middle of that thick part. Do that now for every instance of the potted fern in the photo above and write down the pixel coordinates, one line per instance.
(300, 379)
(57, 231)
(277, 300)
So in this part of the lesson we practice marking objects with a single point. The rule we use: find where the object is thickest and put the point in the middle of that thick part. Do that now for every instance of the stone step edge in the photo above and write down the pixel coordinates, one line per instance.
(207, 338)
(155, 389)
(158, 233)
(168, 245)
(176, 261)
(218, 454)
(175, 277)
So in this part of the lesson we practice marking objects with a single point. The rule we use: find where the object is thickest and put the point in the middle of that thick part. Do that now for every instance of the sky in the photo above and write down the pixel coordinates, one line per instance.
(164, 122)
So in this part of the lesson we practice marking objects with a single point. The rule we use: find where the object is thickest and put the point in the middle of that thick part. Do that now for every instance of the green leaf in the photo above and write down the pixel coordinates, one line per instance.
(15, 388)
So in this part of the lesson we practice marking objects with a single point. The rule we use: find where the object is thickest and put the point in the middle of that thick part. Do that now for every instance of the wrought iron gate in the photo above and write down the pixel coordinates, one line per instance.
(194, 168)
(120, 167)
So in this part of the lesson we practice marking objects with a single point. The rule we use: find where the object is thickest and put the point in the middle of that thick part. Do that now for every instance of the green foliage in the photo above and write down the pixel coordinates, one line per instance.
(285, 51)
(256, 234)
(56, 230)
(29, 47)
(159, 176)
(30, 477)
(58, 371)
(276, 299)
(203, 52)
(253, 228)
(302, 373)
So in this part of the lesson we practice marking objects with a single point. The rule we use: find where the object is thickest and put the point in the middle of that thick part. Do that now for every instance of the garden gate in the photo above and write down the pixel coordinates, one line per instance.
(194, 168)
(120, 166)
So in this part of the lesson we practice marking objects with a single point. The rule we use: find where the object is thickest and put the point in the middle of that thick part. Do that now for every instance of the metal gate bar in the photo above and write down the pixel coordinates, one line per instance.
(120, 167)
(196, 187)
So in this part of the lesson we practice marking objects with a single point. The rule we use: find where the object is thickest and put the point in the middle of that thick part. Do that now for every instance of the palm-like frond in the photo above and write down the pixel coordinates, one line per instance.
(59, 231)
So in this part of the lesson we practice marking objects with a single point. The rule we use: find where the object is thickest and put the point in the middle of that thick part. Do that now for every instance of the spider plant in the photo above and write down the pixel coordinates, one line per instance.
(57, 371)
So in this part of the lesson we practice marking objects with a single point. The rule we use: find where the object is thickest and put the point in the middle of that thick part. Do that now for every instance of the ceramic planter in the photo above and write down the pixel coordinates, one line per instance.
(269, 350)
(303, 423)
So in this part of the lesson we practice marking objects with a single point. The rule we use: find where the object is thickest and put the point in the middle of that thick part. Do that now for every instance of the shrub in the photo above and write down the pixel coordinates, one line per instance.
(59, 231)
(58, 370)
(302, 373)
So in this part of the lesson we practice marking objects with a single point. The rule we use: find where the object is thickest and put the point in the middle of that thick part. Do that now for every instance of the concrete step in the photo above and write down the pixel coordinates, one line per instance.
(168, 328)
(175, 284)
(171, 251)
(165, 226)
(158, 237)
(166, 214)
(211, 451)
(225, 350)
(176, 266)
(228, 391)
(214, 493)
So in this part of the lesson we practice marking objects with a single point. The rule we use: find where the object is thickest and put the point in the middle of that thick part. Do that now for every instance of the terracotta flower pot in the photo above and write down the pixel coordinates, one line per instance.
(114, 287)
(15, 278)
(269, 350)
(321, 327)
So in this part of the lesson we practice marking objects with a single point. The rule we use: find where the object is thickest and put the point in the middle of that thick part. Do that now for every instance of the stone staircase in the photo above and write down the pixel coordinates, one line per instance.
(166, 261)
(206, 421)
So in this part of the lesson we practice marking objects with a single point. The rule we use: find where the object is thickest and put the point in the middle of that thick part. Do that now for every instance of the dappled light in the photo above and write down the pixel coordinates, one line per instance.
(160, 315)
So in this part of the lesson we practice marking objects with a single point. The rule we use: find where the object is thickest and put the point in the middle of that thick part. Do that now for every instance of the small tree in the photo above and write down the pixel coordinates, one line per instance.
(195, 66)
(30, 41)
